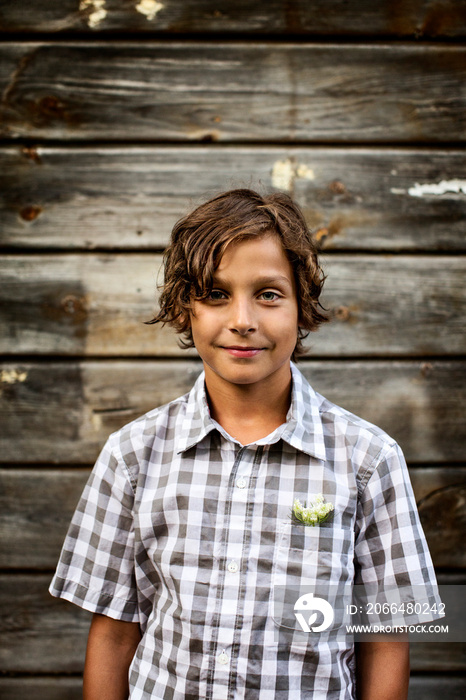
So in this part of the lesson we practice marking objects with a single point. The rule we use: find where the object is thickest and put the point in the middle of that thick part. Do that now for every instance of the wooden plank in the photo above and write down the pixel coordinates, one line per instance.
(39, 633)
(443, 513)
(51, 688)
(429, 480)
(62, 412)
(431, 657)
(36, 506)
(234, 92)
(319, 18)
(379, 306)
(435, 687)
(130, 197)
(42, 634)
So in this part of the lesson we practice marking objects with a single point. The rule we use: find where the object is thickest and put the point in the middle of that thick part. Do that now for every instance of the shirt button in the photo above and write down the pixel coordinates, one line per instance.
(222, 658)
(241, 483)
(233, 567)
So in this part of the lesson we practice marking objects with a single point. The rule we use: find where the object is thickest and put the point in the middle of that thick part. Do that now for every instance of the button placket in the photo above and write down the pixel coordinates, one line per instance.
(234, 540)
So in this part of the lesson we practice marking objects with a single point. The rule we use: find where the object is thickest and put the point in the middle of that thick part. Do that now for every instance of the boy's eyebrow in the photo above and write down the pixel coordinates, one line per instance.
(259, 281)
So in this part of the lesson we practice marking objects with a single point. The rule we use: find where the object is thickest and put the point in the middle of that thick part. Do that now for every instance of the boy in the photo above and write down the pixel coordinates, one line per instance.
(183, 532)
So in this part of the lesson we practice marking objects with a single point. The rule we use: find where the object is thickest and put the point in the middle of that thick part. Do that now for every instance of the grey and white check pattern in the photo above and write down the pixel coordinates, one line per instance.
(182, 529)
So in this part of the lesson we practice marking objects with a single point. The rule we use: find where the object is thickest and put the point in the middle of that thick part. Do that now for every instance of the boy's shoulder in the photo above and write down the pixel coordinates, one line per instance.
(350, 423)
(160, 416)
(156, 429)
(365, 443)
(338, 423)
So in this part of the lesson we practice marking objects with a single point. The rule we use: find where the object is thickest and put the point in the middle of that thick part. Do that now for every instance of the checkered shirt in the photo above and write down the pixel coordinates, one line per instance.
(185, 531)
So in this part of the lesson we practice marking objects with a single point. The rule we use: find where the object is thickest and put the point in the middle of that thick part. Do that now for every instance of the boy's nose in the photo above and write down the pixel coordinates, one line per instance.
(242, 319)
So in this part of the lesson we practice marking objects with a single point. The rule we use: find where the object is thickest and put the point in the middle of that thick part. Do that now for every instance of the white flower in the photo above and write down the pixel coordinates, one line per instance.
(313, 514)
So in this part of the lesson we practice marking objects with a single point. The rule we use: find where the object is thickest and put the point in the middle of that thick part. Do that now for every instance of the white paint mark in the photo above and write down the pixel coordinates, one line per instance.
(12, 376)
(285, 172)
(149, 8)
(98, 11)
(438, 188)
(305, 173)
(96, 421)
(433, 188)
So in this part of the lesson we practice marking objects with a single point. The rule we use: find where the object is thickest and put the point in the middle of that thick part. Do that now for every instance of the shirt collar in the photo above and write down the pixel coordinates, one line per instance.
(302, 430)
(303, 427)
(197, 422)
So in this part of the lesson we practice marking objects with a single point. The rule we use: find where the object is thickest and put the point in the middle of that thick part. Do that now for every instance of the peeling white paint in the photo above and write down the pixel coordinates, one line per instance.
(96, 421)
(304, 172)
(285, 172)
(438, 188)
(98, 11)
(12, 376)
(149, 8)
(433, 188)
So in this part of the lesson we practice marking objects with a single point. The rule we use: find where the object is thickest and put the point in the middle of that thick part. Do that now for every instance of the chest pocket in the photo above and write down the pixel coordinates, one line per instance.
(304, 554)
(308, 559)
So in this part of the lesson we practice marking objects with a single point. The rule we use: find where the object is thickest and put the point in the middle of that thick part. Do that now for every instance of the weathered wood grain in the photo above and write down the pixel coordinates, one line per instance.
(130, 197)
(56, 688)
(435, 687)
(432, 657)
(39, 633)
(427, 481)
(444, 513)
(62, 413)
(42, 634)
(234, 92)
(50, 688)
(417, 19)
(36, 506)
(96, 305)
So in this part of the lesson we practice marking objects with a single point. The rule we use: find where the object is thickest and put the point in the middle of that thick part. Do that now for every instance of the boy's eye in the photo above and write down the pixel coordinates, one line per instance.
(269, 296)
(216, 295)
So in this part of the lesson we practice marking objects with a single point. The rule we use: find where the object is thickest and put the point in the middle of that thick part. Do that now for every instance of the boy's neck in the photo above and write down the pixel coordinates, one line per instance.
(249, 412)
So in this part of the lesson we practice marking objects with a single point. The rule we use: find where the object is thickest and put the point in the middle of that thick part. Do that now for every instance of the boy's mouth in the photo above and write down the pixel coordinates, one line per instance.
(241, 351)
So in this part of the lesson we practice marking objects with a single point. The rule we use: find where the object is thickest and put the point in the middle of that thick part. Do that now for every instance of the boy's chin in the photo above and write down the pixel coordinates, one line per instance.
(245, 374)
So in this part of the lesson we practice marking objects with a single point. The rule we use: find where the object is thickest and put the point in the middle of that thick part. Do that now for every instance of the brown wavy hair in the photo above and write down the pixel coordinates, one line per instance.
(199, 240)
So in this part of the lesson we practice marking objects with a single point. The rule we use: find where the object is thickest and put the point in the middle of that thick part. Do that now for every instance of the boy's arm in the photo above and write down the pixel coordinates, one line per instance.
(382, 668)
(110, 649)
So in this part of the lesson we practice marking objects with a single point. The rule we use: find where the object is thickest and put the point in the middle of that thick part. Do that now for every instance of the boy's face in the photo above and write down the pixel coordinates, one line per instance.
(246, 330)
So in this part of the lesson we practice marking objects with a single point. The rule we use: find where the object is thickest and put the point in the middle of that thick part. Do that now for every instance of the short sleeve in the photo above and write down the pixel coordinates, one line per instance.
(96, 565)
(391, 551)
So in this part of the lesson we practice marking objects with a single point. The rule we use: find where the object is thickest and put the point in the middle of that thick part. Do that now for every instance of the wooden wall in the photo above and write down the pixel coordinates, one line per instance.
(116, 117)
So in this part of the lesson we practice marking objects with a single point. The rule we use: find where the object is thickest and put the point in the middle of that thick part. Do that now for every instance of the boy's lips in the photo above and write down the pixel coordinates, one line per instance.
(242, 351)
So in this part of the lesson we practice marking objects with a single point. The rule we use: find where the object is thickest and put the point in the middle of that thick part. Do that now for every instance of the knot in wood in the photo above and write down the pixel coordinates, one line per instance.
(50, 106)
(30, 212)
(337, 187)
(75, 307)
(342, 313)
